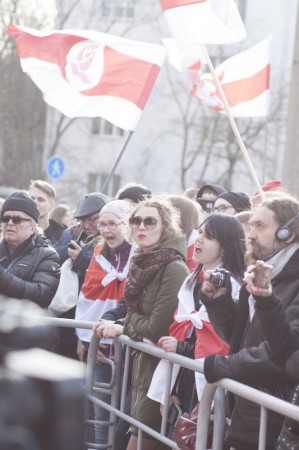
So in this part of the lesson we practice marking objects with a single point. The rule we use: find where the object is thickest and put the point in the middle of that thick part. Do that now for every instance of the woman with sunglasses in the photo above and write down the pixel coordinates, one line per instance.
(218, 246)
(156, 273)
(102, 290)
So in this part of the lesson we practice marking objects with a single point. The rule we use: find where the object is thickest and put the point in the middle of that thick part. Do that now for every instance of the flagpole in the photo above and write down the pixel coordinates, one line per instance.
(105, 185)
(233, 123)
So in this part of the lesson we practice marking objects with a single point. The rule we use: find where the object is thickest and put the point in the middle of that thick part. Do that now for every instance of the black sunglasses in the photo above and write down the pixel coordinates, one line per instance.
(149, 223)
(16, 220)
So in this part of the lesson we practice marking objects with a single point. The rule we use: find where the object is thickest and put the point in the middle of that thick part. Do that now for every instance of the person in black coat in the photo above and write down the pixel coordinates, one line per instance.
(29, 266)
(274, 239)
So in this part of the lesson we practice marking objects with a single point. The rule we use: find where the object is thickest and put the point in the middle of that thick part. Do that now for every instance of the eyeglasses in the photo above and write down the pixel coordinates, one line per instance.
(221, 208)
(90, 219)
(206, 204)
(16, 220)
(149, 223)
(111, 225)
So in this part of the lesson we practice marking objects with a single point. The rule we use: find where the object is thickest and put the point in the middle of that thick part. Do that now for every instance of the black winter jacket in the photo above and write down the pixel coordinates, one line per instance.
(31, 272)
(252, 360)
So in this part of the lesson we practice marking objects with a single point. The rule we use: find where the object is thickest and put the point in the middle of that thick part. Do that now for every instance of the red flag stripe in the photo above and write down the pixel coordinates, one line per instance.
(247, 89)
(132, 90)
(168, 4)
(52, 48)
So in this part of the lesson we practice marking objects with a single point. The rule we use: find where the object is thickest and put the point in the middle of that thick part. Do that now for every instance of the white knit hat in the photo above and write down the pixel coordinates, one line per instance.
(120, 208)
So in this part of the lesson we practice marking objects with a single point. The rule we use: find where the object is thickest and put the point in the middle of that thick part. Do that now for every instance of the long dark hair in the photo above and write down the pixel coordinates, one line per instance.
(228, 231)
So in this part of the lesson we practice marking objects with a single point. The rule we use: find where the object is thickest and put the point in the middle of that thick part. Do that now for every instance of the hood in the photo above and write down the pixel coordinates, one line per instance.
(177, 244)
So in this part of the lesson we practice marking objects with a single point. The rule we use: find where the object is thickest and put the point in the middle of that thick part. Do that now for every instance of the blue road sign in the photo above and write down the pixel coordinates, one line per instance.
(55, 167)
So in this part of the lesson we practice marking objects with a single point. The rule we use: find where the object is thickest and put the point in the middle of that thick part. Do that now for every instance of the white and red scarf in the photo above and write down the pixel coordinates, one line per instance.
(207, 340)
(102, 290)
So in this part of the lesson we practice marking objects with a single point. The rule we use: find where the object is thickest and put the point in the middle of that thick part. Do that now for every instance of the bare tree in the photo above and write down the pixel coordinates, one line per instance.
(22, 110)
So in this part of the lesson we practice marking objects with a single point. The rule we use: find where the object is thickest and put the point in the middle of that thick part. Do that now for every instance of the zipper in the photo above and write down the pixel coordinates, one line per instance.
(137, 371)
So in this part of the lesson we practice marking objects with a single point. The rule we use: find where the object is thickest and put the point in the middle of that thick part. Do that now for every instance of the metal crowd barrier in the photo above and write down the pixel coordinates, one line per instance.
(212, 393)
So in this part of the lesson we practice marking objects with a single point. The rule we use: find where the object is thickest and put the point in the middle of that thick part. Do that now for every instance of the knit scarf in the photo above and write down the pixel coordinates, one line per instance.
(143, 268)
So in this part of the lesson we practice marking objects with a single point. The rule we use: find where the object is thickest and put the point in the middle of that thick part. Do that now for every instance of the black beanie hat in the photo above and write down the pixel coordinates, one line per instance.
(135, 193)
(20, 201)
(90, 204)
(238, 200)
(214, 187)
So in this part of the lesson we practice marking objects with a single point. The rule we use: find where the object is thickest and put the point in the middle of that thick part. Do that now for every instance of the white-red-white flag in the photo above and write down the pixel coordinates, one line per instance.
(245, 80)
(85, 73)
(194, 22)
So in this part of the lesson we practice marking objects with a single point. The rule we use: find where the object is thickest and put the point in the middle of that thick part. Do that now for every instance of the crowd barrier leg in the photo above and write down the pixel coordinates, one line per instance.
(111, 387)
(219, 419)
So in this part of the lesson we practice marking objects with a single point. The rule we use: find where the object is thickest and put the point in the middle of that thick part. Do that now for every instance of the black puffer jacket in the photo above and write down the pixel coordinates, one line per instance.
(31, 272)
(252, 360)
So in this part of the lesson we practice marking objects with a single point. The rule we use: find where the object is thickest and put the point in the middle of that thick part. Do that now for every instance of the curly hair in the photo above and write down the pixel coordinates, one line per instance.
(169, 215)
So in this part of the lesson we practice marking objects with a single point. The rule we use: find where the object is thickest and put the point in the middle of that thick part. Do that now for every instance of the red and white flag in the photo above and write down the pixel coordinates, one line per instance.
(245, 80)
(194, 22)
(85, 73)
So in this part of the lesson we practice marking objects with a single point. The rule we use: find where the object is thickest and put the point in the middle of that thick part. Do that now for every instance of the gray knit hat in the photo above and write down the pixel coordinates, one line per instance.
(20, 201)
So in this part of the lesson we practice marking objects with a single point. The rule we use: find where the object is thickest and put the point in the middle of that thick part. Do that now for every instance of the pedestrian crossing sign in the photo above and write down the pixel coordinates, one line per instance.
(55, 167)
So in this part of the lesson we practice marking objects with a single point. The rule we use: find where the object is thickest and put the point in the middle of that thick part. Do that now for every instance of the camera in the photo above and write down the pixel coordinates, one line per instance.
(220, 278)
(41, 393)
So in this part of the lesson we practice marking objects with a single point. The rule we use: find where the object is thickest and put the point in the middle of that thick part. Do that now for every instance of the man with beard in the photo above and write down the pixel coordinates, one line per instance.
(273, 241)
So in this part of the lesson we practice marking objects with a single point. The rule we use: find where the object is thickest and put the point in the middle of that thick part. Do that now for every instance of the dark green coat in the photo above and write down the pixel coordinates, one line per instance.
(158, 304)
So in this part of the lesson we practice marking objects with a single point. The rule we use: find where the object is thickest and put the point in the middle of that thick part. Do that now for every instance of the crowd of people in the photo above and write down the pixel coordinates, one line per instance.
(209, 274)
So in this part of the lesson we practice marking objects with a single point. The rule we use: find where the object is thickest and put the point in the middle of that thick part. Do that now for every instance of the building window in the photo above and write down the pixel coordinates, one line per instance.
(96, 182)
(104, 128)
(113, 8)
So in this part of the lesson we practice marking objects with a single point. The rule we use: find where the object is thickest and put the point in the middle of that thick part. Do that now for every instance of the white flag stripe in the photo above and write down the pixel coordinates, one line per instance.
(246, 63)
(211, 22)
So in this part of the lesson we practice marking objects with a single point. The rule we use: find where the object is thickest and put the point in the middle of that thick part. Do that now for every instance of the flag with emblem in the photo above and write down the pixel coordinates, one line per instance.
(84, 73)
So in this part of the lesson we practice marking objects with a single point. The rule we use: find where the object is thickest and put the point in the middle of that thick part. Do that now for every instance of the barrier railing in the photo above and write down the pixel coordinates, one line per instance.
(212, 393)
